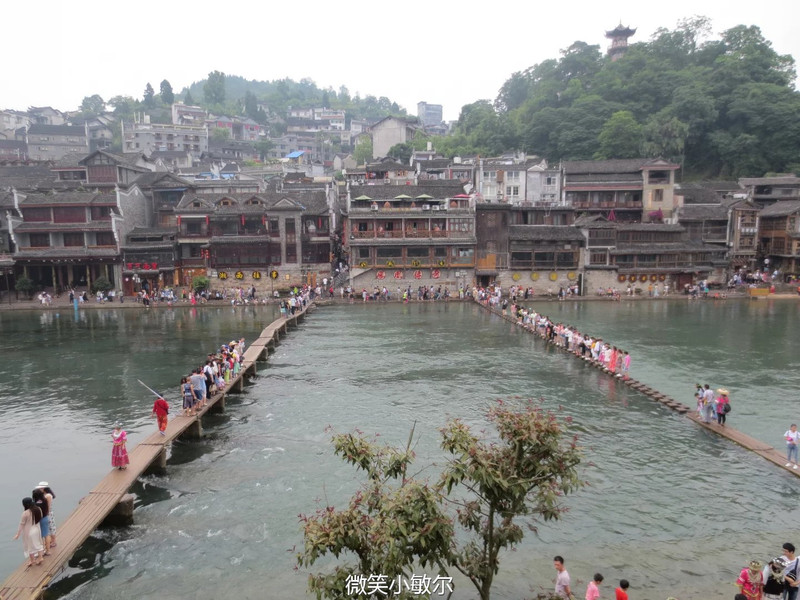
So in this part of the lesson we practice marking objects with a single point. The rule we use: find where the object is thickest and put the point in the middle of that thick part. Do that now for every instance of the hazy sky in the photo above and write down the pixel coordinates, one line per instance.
(441, 51)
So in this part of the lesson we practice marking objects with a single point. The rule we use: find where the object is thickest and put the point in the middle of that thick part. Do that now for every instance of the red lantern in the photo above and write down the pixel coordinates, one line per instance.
(208, 219)
(242, 220)
(179, 220)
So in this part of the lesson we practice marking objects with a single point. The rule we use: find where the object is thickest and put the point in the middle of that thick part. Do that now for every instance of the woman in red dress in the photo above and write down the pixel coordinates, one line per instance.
(119, 455)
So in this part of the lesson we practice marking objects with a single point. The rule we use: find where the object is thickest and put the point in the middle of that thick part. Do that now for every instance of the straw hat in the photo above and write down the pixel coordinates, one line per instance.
(43, 484)
(722, 391)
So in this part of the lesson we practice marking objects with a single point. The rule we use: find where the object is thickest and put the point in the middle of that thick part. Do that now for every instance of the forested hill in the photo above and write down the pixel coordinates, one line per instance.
(722, 107)
(232, 94)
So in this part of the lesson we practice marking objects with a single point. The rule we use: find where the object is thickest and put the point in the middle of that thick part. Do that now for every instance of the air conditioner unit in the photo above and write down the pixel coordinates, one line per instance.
(374, 207)
(436, 207)
(426, 207)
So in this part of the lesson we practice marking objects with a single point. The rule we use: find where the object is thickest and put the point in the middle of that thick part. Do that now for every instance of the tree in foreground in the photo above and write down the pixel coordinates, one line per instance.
(487, 489)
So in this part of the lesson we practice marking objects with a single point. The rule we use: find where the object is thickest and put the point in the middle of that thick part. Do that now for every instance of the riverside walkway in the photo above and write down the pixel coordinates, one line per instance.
(109, 501)
(763, 449)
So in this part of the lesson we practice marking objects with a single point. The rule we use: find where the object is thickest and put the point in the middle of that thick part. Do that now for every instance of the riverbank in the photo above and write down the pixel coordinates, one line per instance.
(63, 303)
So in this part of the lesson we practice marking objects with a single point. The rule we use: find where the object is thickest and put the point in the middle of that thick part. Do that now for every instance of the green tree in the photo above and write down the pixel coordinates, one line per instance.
(25, 285)
(167, 95)
(214, 88)
(200, 283)
(396, 522)
(363, 151)
(220, 135)
(188, 98)
(263, 147)
(102, 284)
(93, 105)
(251, 106)
(401, 152)
(149, 96)
(621, 137)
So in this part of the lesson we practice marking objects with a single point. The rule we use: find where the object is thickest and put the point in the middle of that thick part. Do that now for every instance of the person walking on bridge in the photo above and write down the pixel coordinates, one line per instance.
(791, 437)
(119, 455)
(161, 412)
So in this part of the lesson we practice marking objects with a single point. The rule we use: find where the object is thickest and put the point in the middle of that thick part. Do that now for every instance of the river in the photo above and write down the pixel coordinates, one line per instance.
(669, 506)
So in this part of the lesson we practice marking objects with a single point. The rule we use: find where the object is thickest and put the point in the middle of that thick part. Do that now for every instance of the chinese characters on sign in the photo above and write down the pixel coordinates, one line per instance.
(256, 274)
(146, 266)
(222, 275)
(418, 585)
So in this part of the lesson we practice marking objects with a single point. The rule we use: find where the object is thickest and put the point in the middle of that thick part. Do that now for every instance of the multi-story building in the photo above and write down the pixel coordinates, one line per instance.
(389, 132)
(430, 115)
(779, 234)
(768, 190)
(152, 137)
(503, 229)
(69, 239)
(52, 142)
(295, 142)
(11, 120)
(269, 240)
(504, 179)
(410, 235)
(624, 190)
(645, 253)
(185, 114)
(543, 185)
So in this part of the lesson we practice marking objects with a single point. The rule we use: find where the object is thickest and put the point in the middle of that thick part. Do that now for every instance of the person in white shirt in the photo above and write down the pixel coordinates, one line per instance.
(792, 437)
(708, 404)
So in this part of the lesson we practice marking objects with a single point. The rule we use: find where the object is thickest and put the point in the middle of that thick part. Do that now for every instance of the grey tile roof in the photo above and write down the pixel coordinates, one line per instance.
(69, 130)
(627, 165)
(385, 192)
(665, 247)
(311, 202)
(566, 233)
(782, 180)
(703, 212)
(68, 252)
(68, 197)
(649, 227)
(781, 208)
(42, 226)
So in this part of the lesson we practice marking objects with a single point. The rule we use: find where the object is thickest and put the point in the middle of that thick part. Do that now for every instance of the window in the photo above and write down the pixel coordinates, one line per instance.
(69, 214)
(549, 180)
(362, 253)
(417, 252)
(72, 240)
(37, 215)
(597, 258)
(105, 238)
(390, 252)
(464, 225)
(512, 190)
(101, 213)
(512, 175)
(40, 240)
(658, 195)
(440, 252)
(466, 252)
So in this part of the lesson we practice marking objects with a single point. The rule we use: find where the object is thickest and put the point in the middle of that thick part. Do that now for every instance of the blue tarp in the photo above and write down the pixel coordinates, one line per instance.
(295, 154)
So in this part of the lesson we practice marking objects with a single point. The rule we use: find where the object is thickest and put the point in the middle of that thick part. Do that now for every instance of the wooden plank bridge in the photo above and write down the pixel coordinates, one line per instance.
(763, 449)
(109, 501)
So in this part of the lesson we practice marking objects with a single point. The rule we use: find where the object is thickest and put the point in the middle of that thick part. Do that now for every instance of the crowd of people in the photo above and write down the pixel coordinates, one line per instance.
(37, 526)
(591, 348)
(778, 578)
(712, 408)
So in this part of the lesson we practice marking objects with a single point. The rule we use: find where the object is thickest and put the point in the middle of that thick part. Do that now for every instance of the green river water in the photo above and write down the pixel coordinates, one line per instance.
(669, 506)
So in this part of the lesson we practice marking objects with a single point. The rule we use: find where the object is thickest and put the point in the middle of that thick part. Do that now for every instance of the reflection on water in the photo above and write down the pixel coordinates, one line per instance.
(664, 495)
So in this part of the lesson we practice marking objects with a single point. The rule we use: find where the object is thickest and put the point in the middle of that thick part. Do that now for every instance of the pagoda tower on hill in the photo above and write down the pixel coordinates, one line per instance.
(619, 40)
